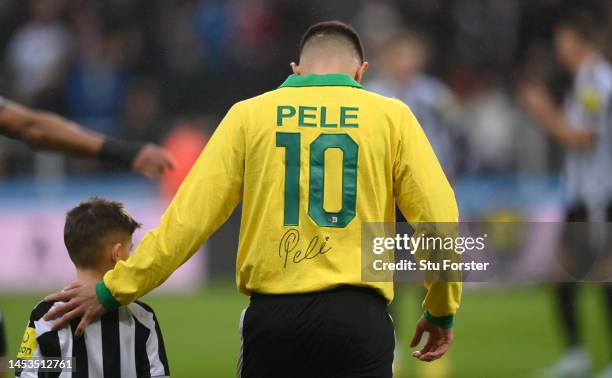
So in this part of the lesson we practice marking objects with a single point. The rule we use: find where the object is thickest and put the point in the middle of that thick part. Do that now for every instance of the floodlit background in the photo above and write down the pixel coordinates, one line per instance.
(167, 71)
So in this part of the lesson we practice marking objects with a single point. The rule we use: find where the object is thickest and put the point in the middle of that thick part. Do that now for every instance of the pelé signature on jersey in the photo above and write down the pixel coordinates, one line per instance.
(289, 248)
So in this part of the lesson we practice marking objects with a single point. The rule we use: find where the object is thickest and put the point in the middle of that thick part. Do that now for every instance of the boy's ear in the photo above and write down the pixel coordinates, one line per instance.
(116, 253)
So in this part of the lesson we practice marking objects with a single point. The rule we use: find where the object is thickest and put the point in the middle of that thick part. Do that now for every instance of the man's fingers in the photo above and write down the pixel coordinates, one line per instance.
(62, 296)
(85, 320)
(416, 339)
(65, 319)
(435, 354)
(430, 345)
(59, 310)
(73, 285)
(431, 341)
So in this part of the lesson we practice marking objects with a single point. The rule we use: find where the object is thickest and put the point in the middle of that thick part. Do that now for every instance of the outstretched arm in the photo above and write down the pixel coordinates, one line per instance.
(539, 104)
(49, 131)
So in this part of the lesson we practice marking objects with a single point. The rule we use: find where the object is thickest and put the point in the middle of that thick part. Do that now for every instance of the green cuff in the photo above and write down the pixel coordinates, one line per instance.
(440, 321)
(105, 297)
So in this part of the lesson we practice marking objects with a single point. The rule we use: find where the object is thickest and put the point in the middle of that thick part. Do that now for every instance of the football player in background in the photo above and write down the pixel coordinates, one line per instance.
(583, 129)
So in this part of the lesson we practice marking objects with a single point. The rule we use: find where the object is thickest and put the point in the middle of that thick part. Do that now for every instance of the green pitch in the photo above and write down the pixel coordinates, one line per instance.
(500, 332)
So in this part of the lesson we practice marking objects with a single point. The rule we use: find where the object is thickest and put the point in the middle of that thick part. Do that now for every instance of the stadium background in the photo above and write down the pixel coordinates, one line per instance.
(167, 71)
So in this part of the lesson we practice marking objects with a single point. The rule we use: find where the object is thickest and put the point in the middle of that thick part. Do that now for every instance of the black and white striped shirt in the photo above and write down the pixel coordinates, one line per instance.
(125, 343)
(589, 107)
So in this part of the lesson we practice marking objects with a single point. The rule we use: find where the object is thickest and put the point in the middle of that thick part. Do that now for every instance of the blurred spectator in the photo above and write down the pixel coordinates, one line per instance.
(184, 77)
(86, 59)
(95, 86)
(485, 33)
(377, 21)
(38, 49)
(490, 121)
(403, 59)
(256, 27)
(213, 23)
(141, 120)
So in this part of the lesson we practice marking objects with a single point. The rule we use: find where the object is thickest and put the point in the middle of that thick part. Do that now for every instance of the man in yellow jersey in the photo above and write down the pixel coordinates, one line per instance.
(310, 161)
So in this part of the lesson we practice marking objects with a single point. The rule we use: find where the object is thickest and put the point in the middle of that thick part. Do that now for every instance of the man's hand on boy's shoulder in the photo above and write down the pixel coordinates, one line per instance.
(80, 301)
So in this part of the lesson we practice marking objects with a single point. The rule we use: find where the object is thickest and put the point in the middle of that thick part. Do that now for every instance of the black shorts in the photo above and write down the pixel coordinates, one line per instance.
(344, 332)
(586, 245)
(578, 212)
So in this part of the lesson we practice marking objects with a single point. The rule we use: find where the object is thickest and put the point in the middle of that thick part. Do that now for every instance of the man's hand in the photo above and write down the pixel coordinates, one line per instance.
(437, 344)
(536, 99)
(539, 103)
(152, 161)
(80, 301)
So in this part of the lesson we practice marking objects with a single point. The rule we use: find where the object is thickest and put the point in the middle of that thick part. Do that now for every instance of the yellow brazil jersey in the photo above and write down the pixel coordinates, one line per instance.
(310, 162)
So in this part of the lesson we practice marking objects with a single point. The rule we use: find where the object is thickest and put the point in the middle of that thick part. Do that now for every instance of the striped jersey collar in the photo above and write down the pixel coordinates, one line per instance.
(314, 80)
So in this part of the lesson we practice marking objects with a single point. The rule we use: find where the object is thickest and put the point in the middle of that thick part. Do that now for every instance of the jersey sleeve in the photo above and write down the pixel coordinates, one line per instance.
(154, 348)
(162, 352)
(205, 200)
(30, 346)
(423, 194)
(594, 96)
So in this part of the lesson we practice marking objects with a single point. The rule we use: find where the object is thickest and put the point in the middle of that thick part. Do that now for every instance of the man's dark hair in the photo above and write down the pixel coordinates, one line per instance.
(583, 22)
(332, 29)
(89, 223)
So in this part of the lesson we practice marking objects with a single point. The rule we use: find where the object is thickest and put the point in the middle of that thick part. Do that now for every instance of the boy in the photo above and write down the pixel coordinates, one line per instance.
(126, 342)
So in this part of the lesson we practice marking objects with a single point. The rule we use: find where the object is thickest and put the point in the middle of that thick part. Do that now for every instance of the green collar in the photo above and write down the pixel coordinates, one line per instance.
(314, 80)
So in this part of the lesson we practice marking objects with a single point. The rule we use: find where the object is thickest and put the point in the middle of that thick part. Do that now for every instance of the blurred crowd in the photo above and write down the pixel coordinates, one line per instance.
(162, 70)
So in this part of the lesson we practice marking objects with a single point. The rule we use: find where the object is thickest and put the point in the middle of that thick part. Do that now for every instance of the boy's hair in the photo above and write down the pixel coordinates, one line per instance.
(334, 29)
(89, 223)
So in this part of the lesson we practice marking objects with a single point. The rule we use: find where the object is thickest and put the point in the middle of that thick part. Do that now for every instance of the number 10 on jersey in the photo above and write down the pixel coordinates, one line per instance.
(291, 142)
